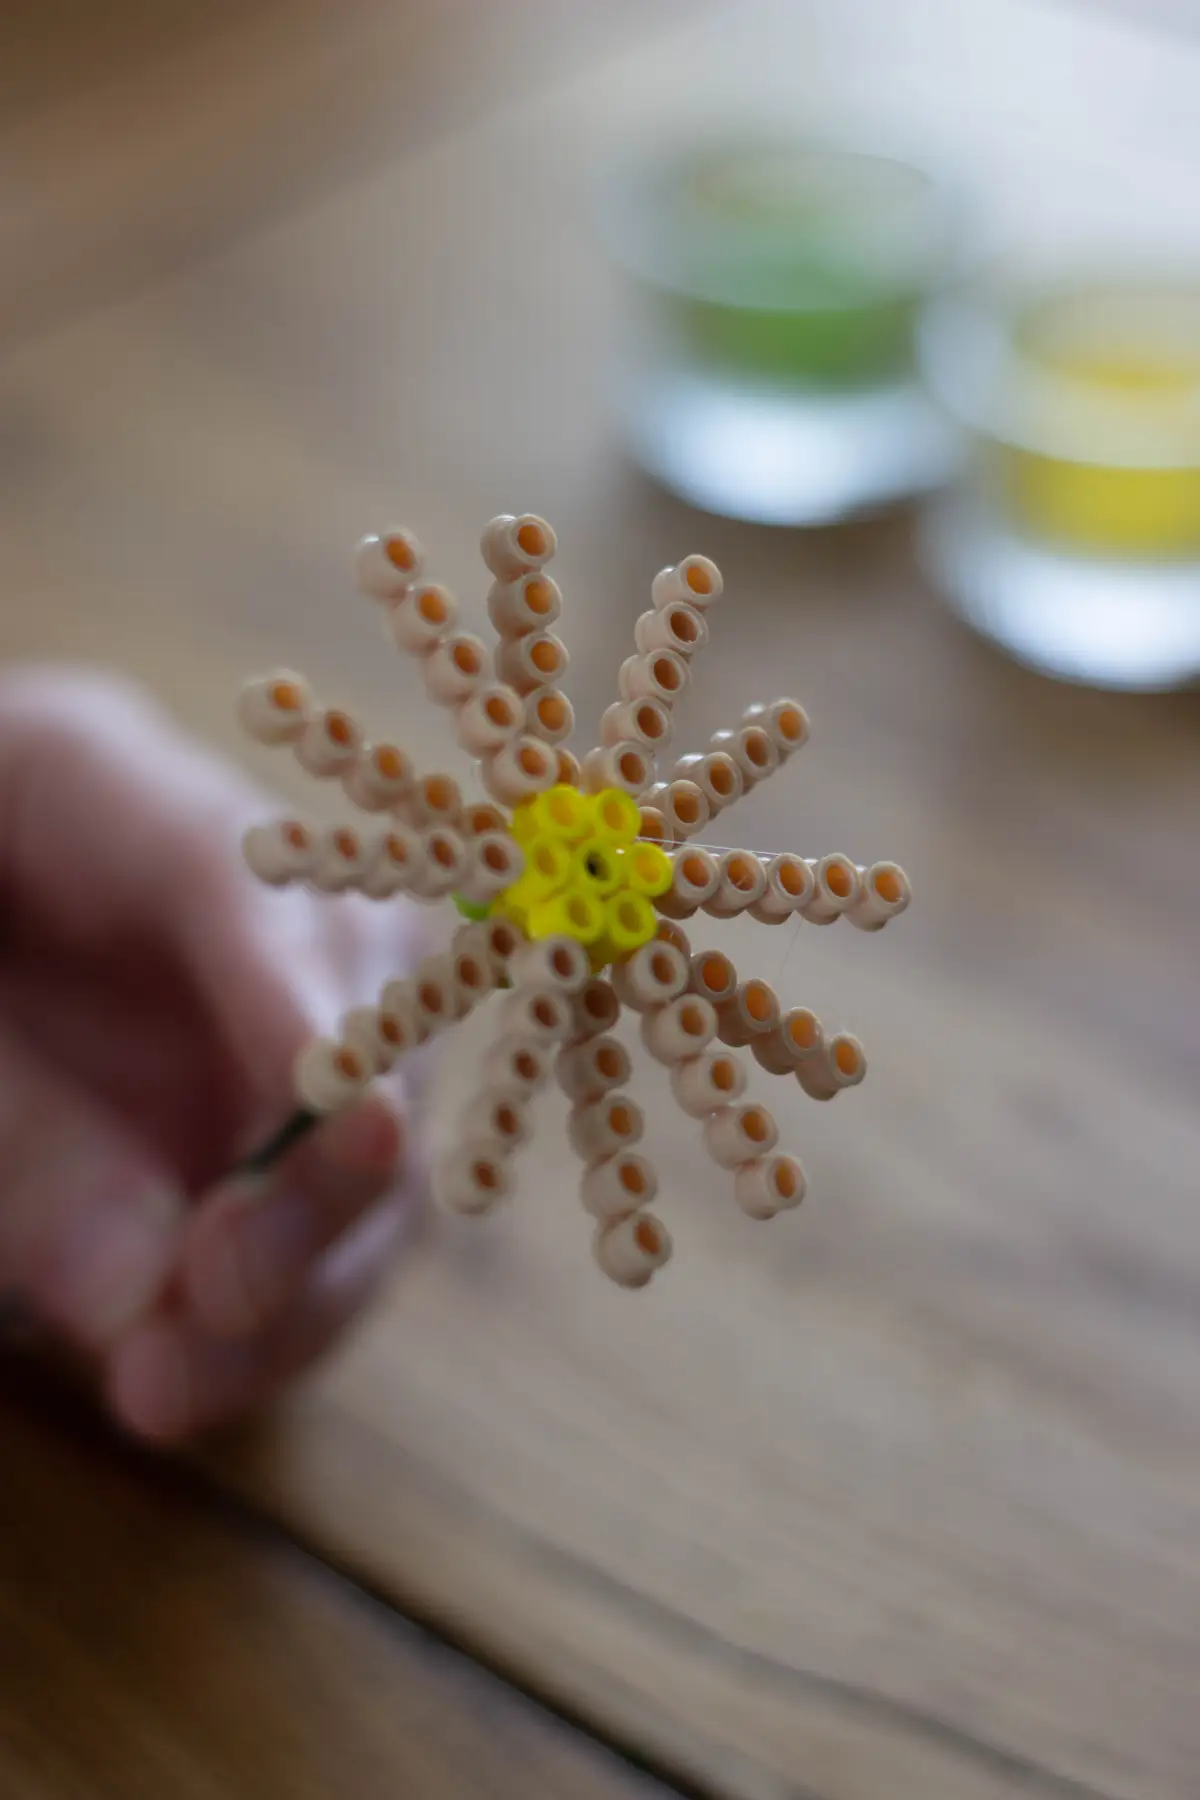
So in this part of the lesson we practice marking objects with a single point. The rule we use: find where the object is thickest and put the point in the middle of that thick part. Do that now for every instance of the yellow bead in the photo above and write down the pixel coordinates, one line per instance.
(547, 869)
(599, 866)
(629, 922)
(616, 817)
(647, 870)
(572, 914)
(563, 813)
(524, 821)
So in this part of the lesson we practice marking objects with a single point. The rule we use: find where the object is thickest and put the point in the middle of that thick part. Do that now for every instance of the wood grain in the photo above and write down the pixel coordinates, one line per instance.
(144, 138)
(900, 1496)
(155, 1641)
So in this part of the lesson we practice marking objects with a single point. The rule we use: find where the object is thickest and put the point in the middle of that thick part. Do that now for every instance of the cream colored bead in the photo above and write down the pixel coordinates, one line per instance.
(705, 1083)
(837, 886)
(653, 826)
(433, 800)
(503, 940)
(530, 603)
(695, 579)
(715, 774)
(630, 1250)
(470, 938)
(626, 766)
(524, 767)
(403, 1022)
(554, 962)
(538, 660)
(472, 1178)
(276, 708)
(660, 676)
(329, 1076)
(480, 817)
(795, 1039)
(501, 1115)
(443, 866)
(360, 1030)
(515, 546)
(474, 976)
(426, 614)
(737, 1134)
(668, 932)
(790, 887)
(713, 977)
(382, 779)
(618, 1185)
(397, 864)
(883, 894)
(435, 994)
(685, 809)
(595, 1010)
(784, 721)
(342, 860)
(402, 1027)
(679, 1031)
(280, 853)
(492, 863)
(386, 564)
(751, 1012)
(645, 722)
(769, 1185)
(741, 885)
(599, 1128)
(652, 976)
(751, 749)
(489, 718)
(521, 1063)
(592, 1069)
(541, 1013)
(549, 715)
(569, 767)
(456, 668)
(676, 626)
(693, 882)
(840, 1063)
(331, 743)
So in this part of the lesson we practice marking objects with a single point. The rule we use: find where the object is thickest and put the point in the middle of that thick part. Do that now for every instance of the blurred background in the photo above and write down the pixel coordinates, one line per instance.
(892, 307)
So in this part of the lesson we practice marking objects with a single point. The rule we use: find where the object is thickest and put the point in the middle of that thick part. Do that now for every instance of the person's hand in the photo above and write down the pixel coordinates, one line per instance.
(152, 999)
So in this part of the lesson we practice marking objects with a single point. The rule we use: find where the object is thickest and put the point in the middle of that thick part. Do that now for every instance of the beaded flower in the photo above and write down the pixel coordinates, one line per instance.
(572, 880)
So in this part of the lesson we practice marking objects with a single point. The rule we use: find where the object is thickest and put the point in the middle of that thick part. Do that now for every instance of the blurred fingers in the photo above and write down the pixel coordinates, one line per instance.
(93, 777)
(170, 1379)
(90, 1225)
(250, 1248)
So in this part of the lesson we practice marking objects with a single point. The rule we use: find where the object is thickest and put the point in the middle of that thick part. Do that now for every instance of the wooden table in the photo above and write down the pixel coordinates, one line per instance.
(901, 1497)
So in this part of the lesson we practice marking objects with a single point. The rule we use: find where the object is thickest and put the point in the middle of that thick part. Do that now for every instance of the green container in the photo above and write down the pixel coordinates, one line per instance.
(792, 273)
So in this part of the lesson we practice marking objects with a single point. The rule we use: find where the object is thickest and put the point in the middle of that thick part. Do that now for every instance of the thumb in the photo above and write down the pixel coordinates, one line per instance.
(90, 1224)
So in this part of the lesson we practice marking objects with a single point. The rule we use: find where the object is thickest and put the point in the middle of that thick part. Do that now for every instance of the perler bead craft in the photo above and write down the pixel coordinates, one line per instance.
(571, 880)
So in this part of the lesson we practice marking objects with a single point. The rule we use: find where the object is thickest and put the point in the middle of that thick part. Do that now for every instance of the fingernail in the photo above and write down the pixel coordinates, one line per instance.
(148, 1383)
(366, 1140)
(255, 1260)
(112, 1263)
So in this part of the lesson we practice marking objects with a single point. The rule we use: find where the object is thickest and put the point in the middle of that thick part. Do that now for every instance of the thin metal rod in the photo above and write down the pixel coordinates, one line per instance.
(278, 1145)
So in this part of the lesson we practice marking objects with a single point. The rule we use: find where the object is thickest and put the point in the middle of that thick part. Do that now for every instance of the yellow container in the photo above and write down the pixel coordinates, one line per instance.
(1073, 535)
(1119, 369)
